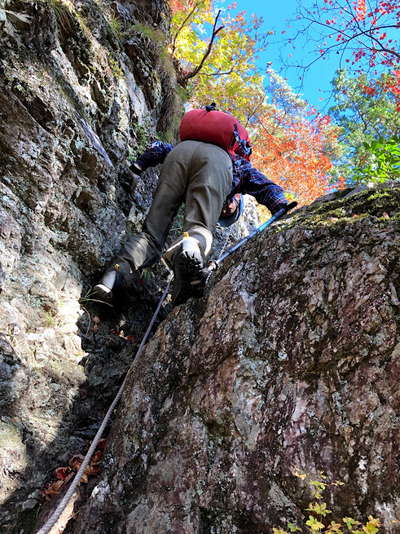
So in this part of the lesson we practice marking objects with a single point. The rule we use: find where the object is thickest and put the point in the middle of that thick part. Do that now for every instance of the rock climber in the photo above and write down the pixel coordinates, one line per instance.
(208, 171)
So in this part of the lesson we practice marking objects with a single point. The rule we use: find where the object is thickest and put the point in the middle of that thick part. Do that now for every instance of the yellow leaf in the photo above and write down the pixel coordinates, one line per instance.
(318, 508)
(314, 524)
(334, 527)
(372, 526)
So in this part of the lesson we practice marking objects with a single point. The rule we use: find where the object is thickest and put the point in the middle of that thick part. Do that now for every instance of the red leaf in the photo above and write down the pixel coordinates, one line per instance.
(62, 472)
(102, 444)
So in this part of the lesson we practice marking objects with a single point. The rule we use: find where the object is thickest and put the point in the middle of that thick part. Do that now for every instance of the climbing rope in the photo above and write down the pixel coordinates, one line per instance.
(214, 264)
(71, 490)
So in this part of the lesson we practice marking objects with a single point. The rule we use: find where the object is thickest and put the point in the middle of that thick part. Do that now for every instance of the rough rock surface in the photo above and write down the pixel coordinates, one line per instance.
(84, 86)
(290, 362)
(76, 103)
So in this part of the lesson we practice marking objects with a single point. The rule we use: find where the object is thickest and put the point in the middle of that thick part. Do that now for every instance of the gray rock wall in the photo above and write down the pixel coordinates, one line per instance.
(84, 87)
(82, 90)
(291, 363)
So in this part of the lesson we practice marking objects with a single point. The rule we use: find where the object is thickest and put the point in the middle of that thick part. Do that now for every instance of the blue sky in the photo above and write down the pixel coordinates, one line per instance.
(316, 86)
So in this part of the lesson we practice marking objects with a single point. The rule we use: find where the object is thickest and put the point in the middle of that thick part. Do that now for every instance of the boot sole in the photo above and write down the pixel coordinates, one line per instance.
(102, 293)
(188, 278)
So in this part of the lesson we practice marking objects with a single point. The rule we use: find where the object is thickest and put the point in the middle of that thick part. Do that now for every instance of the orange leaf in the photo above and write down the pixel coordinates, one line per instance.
(54, 488)
(97, 457)
(75, 461)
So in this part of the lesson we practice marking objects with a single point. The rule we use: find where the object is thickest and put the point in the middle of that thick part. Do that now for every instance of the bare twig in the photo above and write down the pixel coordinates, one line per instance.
(356, 36)
(217, 73)
(254, 111)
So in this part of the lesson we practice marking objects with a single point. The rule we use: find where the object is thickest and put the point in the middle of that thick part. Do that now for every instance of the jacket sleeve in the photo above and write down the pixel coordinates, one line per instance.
(153, 156)
(252, 182)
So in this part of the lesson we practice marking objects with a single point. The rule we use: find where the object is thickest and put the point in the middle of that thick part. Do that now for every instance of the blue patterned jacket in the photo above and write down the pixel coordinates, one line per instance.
(246, 178)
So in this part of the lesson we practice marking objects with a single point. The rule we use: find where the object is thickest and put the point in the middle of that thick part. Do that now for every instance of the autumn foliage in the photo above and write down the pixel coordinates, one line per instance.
(229, 75)
(290, 146)
(364, 35)
(365, 31)
(295, 152)
(293, 144)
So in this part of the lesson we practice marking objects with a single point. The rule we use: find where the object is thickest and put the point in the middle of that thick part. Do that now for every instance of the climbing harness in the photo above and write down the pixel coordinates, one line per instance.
(51, 521)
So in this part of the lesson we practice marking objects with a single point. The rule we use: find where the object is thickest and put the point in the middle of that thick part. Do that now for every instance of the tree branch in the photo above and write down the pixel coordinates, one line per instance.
(355, 36)
(218, 73)
(207, 53)
(253, 112)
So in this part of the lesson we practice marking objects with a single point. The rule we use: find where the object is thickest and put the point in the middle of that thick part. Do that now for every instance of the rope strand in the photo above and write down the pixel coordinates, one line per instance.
(52, 520)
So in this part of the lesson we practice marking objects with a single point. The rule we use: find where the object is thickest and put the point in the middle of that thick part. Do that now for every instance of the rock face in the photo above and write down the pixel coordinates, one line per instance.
(82, 90)
(291, 362)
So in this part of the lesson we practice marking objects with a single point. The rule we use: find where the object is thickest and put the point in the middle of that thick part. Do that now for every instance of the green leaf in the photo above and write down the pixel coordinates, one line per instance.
(314, 524)
(372, 527)
(350, 522)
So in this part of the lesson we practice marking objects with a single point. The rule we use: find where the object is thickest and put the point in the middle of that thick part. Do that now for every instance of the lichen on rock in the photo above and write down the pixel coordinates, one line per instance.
(72, 113)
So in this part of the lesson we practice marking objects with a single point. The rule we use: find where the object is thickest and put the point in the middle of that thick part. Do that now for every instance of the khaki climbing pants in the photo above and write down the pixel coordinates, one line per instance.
(194, 173)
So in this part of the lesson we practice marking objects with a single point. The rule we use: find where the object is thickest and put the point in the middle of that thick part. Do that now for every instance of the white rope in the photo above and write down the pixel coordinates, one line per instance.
(65, 500)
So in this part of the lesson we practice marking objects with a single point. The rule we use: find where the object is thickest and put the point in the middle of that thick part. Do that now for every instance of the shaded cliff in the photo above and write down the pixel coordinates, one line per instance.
(291, 362)
(82, 90)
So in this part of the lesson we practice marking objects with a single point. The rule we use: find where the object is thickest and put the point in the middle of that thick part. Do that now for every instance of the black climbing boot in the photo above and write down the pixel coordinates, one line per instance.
(114, 279)
(189, 277)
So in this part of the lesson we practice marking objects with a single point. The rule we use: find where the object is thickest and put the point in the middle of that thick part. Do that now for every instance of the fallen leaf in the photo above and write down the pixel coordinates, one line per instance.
(97, 457)
(53, 488)
(92, 470)
(75, 461)
(62, 472)
(101, 445)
